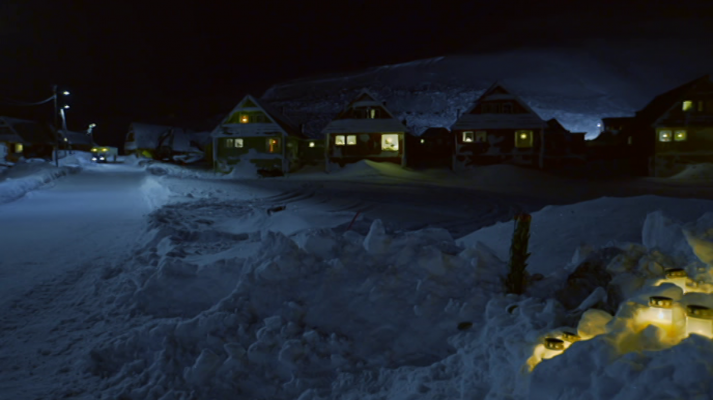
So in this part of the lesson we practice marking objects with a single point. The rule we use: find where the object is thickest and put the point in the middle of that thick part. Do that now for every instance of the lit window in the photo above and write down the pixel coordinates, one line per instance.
(273, 145)
(481, 136)
(523, 139)
(351, 140)
(687, 105)
(18, 147)
(468, 137)
(372, 113)
(339, 140)
(423, 141)
(664, 136)
(679, 136)
(311, 144)
(390, 142)
(229, 142)
(244, 118)
(238, 142)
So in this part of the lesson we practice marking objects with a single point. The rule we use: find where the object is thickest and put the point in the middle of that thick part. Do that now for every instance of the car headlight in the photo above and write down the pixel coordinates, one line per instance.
(94, 158)
(101, 158)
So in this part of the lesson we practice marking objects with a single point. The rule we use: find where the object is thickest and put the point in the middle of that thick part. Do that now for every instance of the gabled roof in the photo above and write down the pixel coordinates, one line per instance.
(435, 132)
(30, 132)
(146, 136)
(352, 125)
(499, 121)
(664, 102)
(555, 125)
(250, 103)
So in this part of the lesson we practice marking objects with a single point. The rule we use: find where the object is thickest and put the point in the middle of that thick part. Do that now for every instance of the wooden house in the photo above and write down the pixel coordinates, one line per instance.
(28, 139)
(256, 133)
(76, 141)
(502, 128)
(144, 140)
(674, 129)
(365, 130)
(432, 149)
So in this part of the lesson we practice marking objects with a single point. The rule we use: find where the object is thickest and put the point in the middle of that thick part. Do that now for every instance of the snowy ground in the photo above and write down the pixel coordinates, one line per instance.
(169, 284)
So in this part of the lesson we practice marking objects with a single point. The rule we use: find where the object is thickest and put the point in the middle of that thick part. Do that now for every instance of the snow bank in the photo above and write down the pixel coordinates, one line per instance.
(27, 176)
(698, 172)
(557, 231)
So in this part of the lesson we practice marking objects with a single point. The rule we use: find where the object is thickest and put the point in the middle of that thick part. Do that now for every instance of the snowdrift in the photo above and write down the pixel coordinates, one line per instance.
(367, 313)
(27, 176)
(695, 172)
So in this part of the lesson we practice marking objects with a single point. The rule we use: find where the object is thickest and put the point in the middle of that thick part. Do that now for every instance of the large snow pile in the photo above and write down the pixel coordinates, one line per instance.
(29, 175)
(698, 172)
(576, 86)
(361, 312)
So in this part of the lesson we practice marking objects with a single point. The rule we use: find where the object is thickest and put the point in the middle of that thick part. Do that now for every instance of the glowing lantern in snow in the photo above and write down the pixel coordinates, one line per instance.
(570, 337)
(553, 347)
(659, 312)
(699, 320)
(678, 277)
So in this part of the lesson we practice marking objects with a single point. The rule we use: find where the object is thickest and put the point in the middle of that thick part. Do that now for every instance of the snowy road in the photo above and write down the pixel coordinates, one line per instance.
(87, 217)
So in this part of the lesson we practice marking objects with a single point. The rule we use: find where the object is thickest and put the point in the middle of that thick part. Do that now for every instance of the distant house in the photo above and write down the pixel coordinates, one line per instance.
(256, 133)
(365, 130)
(144, 140)
(28, 139)
(674, 129)
(433, 148)
(499, 127)
(562, 148)
(76, 141)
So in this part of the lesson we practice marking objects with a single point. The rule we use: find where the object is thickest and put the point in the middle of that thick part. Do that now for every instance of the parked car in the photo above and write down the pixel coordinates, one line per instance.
(104, 154)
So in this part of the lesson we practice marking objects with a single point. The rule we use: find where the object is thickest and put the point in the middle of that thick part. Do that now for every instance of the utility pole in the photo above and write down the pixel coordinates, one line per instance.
(56, 127)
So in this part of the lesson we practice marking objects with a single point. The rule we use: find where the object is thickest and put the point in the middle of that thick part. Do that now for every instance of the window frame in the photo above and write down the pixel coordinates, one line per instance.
(337, 140)
(395, 146)
(684, 136)
(351, 137)
(239, 141)
(662, 135)
(519, 141)
(465, 135)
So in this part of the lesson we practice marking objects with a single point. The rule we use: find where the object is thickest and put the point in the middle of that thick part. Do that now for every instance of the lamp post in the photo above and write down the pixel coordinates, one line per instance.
(56, 121)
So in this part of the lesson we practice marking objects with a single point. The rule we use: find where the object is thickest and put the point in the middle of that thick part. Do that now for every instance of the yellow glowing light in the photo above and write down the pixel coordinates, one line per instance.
(680, 136)
(94, 150)
(553, 348)
(19, 147)
(665, 136)
(699, 321)
(659, 313)
(678, 277)
(687, 105)
(523, 136)
(423, 141)
(311, 144)
(351, 140)
(105, 149)
(339, 140)
(244, 119)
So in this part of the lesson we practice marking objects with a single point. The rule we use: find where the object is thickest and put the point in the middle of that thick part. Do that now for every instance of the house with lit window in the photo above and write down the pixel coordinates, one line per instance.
(254, 132)
(28, 139)
(365, 130)
(76, 141)
(500, 127)
(144, 140)
(674, 129)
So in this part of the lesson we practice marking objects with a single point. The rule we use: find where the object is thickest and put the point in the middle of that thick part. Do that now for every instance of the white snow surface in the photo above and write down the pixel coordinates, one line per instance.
(220, 294)
(696, 172)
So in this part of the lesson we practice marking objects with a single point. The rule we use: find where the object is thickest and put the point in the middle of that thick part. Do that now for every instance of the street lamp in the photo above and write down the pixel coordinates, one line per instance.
(56, 122)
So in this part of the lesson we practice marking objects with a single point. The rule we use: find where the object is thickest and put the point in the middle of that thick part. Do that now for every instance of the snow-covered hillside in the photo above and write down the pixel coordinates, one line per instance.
(576, 86)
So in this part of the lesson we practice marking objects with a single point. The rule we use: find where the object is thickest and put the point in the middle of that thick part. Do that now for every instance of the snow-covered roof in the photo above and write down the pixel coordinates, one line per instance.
(278, 121)
(30, 132)
(350, 125)
(497, 91)
(146, 136)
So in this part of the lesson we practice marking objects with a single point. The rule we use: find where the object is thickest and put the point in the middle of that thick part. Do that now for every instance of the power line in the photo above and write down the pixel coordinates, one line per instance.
(26, 104)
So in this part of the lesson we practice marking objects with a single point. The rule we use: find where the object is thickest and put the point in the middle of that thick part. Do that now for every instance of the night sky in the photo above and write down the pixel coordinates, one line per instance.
(145, 60)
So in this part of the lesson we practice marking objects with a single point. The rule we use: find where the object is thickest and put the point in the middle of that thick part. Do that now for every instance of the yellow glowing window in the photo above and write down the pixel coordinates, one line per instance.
(351, 140)
(273, 145)
(244, 119)
(468, 137)
(481, 136)
(94, 149)
(679, 136)
(423, 141)
(238, 142)
(665, 136)
(390, 142)
(372, 113)
(687, 105)
(523, 139)
(229, 142)
(339, 140)
(18, 147)
(311, 144)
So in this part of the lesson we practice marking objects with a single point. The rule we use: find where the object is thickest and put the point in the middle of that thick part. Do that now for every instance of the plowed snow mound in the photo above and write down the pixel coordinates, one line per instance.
(702, 171)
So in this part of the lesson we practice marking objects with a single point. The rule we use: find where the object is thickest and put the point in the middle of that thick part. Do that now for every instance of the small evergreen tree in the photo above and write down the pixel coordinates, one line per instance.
(516, 281)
